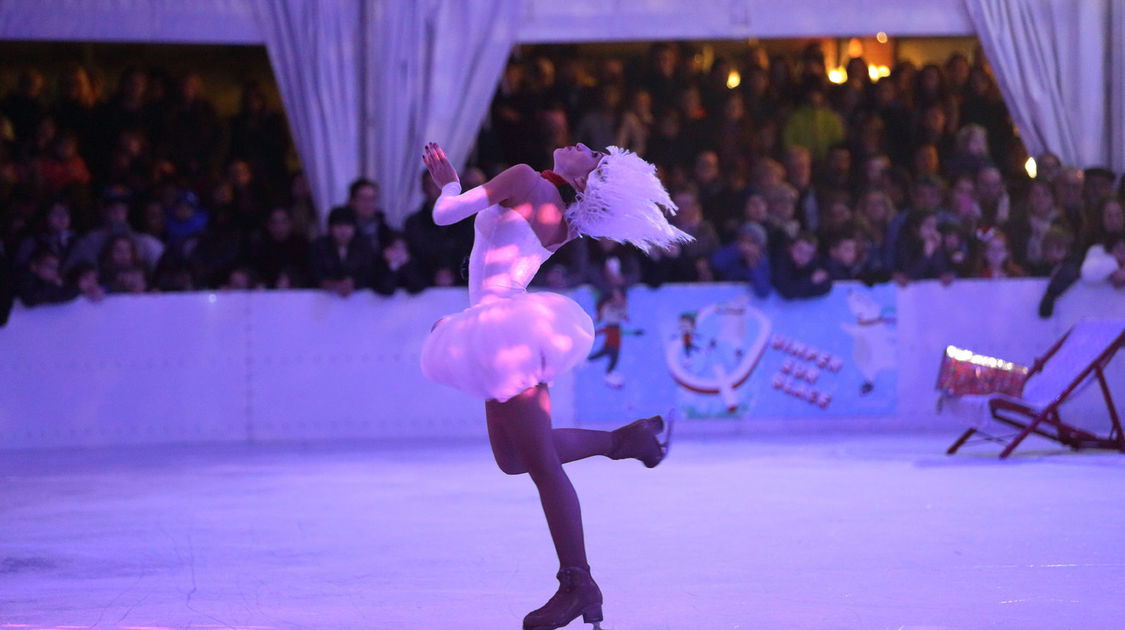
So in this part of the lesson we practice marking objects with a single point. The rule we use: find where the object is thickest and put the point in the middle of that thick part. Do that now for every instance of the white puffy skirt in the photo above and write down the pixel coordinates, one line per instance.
(499, 348)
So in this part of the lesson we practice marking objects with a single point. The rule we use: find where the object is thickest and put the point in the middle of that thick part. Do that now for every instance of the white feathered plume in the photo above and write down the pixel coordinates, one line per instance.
(625, 201)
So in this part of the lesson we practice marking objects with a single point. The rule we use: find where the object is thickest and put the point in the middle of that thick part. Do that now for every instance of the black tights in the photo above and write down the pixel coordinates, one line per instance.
(523, 441)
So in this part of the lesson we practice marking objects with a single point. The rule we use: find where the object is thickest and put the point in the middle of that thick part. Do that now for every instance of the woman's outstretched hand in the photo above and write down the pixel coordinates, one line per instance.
(438, 165)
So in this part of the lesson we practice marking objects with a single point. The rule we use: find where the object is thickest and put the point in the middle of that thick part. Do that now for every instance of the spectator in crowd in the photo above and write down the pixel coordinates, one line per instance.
(923, 257)
(1048, 166)
(798, 174)
(186, 220)
(1068, 194)
(363, 201)
(843, 261)
(42, 282)
(745, 260)
(258, 137)
(970, 154)
(25, 107)
(115, 221)
(1106, 219)
(799, 272)
(1105, 262)
(1097, 184)
(1066, 268)
(247, 197)
(874, 214)
(686, 262)
(957, 244)
(1030, 222)
(1057, 247)
(598, 127)
(836, 172)
(128, 111)
(440, 250)
(996, 260)
(301, 206)
(241, 278)
(813, 125)
(63, 168)
(191, 133)
(279, 253)
(119, 253)
(636, 123)
(342, 259)
(396, 268)
(54, 234)
(992, 195)
(781, 225)
(74, 108)
(838, 216)
(611, 266)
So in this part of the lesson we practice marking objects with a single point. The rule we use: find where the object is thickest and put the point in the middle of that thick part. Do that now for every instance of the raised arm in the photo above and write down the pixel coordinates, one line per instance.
(454, 205)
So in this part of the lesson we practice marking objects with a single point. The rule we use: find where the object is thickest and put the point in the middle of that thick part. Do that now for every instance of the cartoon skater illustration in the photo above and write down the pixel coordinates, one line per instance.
(874, 349)
(687, 335)
(613, 310)
(720, 362)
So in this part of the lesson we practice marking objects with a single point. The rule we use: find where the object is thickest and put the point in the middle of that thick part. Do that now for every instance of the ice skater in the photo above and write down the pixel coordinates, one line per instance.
(509, 343)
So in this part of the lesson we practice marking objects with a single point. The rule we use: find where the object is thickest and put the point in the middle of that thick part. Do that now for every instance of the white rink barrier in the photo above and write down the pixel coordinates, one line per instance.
(305, 365)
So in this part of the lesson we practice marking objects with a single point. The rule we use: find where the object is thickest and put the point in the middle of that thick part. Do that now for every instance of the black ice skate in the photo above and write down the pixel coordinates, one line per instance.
(577, 595)
(641, 440)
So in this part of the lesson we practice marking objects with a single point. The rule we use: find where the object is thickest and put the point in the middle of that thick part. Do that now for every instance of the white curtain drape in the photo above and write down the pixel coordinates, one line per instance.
(1060, 67)
(437, 63)
(314, 48)
(1117, 85)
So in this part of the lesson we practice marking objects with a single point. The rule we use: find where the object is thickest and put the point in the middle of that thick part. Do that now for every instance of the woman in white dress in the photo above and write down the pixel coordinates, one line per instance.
(509, 343)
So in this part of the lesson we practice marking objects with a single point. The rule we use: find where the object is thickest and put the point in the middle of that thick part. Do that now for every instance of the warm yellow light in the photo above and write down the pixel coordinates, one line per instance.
(873, 72)
(837, 75)
(733, 79)
(1031, 167)
(855, 47)
(884, 71)
(881, 37)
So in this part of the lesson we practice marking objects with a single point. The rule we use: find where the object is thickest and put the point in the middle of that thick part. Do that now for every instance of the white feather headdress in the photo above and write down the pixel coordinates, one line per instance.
(625, 201)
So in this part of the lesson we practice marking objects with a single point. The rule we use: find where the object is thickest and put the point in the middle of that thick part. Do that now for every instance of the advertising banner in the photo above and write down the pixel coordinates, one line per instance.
(716, 351)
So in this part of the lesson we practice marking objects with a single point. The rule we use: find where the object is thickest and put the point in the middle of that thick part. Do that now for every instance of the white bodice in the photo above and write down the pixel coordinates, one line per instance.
(506, 255)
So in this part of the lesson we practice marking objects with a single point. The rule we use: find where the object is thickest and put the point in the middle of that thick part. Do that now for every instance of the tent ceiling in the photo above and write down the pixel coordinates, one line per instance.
(232, 21)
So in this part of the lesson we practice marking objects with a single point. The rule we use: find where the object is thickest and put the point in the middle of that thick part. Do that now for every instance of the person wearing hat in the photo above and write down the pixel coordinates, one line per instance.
(745, 260)
(342, 261)
(186, 218)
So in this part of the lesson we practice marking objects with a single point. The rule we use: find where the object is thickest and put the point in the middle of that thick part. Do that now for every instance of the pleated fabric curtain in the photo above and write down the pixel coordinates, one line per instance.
(313, 47)
(1060, 67)
(1116, 85)
(436, 64)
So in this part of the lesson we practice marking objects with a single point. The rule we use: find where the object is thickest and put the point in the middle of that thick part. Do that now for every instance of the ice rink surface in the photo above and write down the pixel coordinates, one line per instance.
(788, 533)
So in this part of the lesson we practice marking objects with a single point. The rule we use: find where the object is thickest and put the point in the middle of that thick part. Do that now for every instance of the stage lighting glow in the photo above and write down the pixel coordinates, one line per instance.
(1031, 167)
(881, 37)
(837, 75)
(734, 79)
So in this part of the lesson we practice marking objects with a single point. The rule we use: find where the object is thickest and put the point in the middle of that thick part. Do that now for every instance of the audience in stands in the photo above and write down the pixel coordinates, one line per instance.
(788, 182)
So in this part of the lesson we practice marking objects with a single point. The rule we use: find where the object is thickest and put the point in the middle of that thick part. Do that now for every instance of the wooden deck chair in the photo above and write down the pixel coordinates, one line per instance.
(1074, 361)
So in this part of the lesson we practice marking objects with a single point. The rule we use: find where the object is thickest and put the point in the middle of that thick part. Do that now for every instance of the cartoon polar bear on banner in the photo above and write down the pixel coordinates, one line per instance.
(874, 347)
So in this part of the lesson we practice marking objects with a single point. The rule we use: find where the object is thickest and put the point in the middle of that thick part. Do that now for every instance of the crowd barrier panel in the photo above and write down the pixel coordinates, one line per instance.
(261, 366)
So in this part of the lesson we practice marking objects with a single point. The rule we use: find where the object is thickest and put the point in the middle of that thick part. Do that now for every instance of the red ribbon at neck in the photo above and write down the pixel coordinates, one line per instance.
(554, 178)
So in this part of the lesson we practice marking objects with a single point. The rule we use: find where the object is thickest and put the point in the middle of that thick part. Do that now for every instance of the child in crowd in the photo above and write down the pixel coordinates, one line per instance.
(996, 259)
(799, 272)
